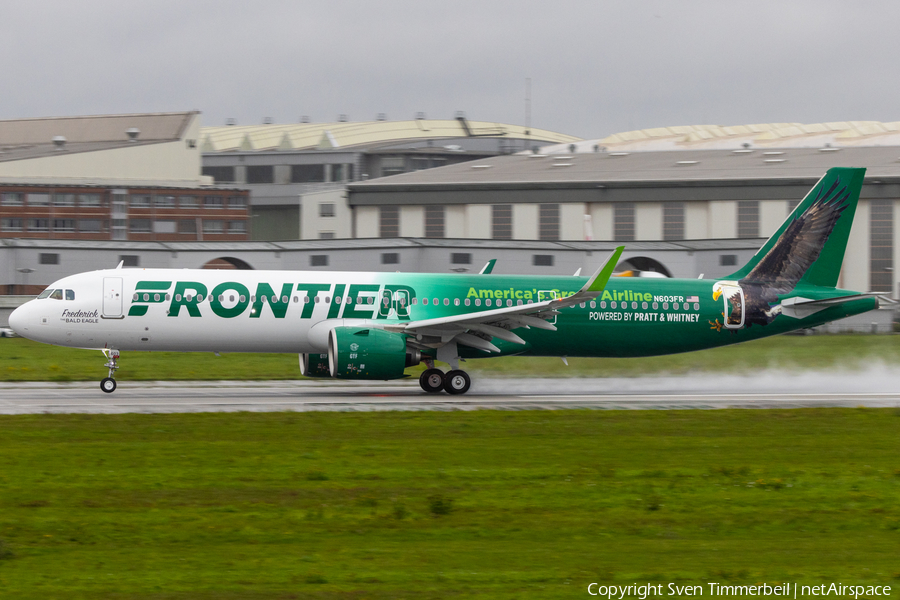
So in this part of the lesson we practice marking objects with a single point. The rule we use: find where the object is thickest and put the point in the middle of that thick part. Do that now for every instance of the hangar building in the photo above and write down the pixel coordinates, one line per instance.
(722, 186)
(282, 164)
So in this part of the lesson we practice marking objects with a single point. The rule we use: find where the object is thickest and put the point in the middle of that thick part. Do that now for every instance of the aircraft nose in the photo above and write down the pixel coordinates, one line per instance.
(18, 320)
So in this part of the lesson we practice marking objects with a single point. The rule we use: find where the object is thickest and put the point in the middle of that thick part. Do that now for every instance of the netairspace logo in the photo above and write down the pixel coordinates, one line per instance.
(787, 590)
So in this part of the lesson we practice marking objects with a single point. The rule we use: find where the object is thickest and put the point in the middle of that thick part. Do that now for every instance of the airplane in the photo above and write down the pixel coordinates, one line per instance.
(373, 326)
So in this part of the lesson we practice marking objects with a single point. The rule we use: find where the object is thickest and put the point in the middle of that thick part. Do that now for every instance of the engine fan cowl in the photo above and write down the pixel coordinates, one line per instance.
(368, 353)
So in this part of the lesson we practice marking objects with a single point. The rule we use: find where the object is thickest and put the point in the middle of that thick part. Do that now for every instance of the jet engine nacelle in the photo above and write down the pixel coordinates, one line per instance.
(368, 353)
(314, 365)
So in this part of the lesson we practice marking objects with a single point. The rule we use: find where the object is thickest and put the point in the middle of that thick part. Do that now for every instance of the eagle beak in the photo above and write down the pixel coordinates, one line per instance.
(716, 294)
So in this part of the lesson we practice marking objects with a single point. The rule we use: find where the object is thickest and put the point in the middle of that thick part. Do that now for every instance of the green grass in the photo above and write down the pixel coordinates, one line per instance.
(24, 360)
(483, 504)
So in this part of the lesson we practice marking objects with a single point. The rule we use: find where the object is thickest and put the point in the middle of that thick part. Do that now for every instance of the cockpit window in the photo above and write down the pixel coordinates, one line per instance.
(45, 293)
(70, 294)
(57, 295)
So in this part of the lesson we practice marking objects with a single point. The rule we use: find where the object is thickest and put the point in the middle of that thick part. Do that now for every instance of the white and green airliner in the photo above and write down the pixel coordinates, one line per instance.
(375, 325)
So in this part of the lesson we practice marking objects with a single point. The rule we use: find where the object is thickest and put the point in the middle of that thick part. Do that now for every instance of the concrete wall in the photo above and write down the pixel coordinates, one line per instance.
(696, 220)
(648, 218)
(525, 221)
(478, 222)
(368, 221)
(312, 225)
(601, 220)
(722, 221)
(571, 221)
(412, 221)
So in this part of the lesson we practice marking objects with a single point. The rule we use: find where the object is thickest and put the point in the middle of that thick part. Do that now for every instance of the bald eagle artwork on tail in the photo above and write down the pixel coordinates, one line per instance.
(754, 298)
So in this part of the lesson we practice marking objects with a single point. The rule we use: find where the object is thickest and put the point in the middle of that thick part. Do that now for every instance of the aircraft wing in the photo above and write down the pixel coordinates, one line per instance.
(476, 329)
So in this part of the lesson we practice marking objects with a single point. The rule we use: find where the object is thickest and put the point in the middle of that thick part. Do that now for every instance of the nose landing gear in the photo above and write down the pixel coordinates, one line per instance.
(108, 384)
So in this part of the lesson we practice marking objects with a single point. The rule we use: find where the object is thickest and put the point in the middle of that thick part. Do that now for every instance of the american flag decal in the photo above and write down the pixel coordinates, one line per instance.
(693, 299)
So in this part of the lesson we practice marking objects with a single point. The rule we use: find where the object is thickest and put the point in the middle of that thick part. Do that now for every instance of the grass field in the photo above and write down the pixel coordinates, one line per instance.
(483, 504)
(24, 360)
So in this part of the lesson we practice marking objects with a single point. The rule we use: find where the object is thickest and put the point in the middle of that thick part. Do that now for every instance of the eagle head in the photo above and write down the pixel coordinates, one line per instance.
(717, 288)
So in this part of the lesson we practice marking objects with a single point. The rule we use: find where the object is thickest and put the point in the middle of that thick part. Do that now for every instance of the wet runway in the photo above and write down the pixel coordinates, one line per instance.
(874, 388)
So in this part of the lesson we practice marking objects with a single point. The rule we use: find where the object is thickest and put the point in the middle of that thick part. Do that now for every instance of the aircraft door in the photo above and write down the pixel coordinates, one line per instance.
(112, 298)
(733, 297)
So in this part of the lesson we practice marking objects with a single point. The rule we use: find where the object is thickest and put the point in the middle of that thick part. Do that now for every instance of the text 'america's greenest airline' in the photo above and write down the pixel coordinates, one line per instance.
(375, 325)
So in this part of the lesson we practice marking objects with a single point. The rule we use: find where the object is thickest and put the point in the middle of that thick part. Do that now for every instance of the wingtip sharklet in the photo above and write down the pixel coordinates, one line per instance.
(597, 283)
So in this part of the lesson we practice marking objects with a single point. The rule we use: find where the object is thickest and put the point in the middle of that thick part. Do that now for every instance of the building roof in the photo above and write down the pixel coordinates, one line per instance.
(761, 136)
(360, 135)
(381, 243)
(599, 168)
(34, 138)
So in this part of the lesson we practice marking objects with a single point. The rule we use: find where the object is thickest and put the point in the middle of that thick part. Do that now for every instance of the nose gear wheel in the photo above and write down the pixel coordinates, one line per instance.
(108, 384)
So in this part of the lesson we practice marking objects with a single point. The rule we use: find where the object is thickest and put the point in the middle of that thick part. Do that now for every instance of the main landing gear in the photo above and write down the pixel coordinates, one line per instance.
(108, 384)
(453, 382)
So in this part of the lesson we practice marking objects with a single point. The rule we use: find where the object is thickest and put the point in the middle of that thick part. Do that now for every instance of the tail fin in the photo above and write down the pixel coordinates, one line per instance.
(809, 246)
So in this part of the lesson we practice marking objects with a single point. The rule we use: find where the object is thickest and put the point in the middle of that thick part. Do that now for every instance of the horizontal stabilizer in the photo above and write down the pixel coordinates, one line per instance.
(800, 308)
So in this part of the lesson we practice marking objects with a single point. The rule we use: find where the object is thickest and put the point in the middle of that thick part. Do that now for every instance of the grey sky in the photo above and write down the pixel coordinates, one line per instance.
(596, 67)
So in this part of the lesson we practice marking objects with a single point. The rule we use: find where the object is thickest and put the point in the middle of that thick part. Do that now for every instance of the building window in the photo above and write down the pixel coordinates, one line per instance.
(434, 221)
(11, 199)
(549, 222)
(187, 226)
(164, 201)
(11, 224)
(213, 227)
(673, 221)
(390, 258)
(392, 165)
(164, 226)
(38, 199)
(881, 238)
(139, 225)
(389, 221)
(461, 258)
(727, 260)
(623, 221)
(237, 227)
(90, 225)
(87, 200)
(63, 199)
(501, 221)
(187, 201)
(326, 235)
(38, 224)
(542, 260)
(318, 260)
(791, 205)
(141, 200)
(48, 259)
(748, 218)
(261, 174)
(237, 202)
(326, 209)
(307, 173)
(220, 174)
(63, 224)
(212, 202)
(342, 172)
(129, 260)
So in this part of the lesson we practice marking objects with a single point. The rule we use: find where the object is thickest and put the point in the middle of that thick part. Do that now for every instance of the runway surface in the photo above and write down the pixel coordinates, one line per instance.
(874, 388)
